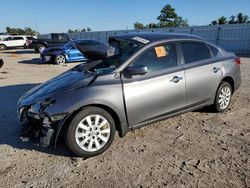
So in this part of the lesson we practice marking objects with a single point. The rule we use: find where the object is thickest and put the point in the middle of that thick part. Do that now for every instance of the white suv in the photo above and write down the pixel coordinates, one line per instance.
(13, 41)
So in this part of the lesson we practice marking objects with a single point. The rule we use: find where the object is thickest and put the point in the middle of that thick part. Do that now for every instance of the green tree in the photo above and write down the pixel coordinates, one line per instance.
(138, 25)
(180, 22)
(88, 29)
(222, 20)
(152, 26)
(168, 17)
(241, 18)
(214, 22)
(232, 19)
(19, 31)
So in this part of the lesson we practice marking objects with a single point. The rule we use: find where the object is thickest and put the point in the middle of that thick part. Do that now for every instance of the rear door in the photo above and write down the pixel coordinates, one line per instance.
(160, 91)
(202, 72)
(74, 54)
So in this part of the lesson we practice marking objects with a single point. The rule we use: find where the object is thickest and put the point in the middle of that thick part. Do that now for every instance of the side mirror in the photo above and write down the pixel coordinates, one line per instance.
(136, 70)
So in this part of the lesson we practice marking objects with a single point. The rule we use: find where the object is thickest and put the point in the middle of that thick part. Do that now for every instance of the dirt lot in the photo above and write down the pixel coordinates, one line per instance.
(197, 149)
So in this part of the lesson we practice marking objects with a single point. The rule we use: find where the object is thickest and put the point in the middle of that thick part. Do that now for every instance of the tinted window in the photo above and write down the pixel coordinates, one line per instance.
(61, 36)
(94, 43)
(158, 58)
(195, 51)
(30, 38)
(18, 38)
(214, 50)
(85, 43)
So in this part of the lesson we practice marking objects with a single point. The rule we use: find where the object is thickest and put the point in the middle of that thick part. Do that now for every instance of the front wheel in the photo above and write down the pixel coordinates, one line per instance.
(223, 97)
(60, 59)
(90, 132)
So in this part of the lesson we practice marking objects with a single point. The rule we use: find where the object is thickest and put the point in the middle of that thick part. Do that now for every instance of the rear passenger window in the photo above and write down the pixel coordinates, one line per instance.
(195, 51)
(158, 58)
(18, 38)
(214, 50)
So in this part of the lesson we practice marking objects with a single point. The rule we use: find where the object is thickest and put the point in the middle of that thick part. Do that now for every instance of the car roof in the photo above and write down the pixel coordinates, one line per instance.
(83, 40)
(153, 37)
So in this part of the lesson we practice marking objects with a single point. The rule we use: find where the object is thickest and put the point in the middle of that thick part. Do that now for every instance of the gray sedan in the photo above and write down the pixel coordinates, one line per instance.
(145, 78)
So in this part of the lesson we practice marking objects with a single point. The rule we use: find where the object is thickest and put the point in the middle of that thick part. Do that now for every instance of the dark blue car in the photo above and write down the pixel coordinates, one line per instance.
(73, 51)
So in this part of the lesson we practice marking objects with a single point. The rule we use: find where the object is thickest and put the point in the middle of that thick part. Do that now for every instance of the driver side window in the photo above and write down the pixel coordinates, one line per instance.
(158, 58)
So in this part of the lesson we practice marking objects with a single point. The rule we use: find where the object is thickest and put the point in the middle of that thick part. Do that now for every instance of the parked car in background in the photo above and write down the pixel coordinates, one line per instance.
(4, 36)
(150, 77)
(49, 40)
(73, 51)
(29, 40)
(13, 41)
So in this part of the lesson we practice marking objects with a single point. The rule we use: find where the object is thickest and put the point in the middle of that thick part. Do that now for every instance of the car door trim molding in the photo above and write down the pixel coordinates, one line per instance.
(206, 62)
(171, 114)
(152, 75)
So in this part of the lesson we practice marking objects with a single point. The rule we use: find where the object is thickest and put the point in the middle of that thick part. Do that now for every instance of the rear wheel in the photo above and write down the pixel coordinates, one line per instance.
(3, 47)
(60, 59)
(90, 132)
(223, 97)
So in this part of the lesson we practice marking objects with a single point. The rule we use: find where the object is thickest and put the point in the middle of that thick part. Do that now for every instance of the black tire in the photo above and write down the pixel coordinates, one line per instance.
(40, 48)
(3, 47)
(60, 59)
(217, 104)
(71, 138)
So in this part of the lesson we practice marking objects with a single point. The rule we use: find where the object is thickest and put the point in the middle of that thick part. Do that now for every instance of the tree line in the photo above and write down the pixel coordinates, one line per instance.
(19, 31)
(239, 18)
(88, 29)
(167, 18)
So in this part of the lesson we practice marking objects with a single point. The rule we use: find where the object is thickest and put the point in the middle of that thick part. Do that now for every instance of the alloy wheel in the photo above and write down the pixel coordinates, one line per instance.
(92, 133)
(60, 59)
(224, 97)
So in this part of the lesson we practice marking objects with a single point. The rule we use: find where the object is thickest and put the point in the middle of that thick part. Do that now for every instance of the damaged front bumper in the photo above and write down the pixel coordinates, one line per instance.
(41, 128)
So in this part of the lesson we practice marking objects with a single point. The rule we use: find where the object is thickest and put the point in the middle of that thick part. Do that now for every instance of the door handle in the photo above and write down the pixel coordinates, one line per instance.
(176, 79)
(216, 69)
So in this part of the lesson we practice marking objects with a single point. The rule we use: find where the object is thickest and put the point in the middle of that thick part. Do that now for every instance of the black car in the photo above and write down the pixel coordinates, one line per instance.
(74, 51)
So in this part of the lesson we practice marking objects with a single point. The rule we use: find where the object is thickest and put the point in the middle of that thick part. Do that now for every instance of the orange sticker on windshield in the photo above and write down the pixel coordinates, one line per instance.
(161, 51)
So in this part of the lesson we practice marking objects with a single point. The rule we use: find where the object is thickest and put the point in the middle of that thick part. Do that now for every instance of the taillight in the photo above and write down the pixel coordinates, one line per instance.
(237, 60)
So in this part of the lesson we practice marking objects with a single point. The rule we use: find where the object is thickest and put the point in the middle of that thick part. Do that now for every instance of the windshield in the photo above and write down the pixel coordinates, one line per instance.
(118, 53)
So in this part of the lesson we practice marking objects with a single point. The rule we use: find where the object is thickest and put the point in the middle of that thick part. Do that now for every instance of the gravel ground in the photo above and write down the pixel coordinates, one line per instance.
(196, 149)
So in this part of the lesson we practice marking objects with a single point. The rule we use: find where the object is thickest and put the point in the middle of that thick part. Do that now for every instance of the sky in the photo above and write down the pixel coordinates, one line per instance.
(48, 16)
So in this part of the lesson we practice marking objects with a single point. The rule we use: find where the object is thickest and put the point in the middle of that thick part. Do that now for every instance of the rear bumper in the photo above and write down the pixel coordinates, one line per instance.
(237, 80)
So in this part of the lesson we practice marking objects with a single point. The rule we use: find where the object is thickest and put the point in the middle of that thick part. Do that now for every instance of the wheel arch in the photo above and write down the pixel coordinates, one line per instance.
(230, 80)
(63, 125)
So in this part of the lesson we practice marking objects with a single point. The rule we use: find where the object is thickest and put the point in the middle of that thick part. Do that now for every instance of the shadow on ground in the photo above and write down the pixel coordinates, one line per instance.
(36, 61)
(25, 51)
(9, 125)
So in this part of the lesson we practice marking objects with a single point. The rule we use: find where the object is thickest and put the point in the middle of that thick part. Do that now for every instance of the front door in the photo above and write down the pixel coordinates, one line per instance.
(161, 91)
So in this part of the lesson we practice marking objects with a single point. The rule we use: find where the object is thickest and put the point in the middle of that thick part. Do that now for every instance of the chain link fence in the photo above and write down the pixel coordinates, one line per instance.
(232, 37)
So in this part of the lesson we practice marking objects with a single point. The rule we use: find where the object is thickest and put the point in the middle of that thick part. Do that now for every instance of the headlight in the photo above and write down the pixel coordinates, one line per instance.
(40, 107)
(35, 108)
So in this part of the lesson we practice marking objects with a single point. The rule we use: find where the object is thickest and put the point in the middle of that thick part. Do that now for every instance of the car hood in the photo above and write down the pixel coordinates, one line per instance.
(70, 80)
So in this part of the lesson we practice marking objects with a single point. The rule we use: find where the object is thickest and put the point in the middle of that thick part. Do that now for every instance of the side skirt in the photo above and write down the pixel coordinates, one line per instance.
(169, 115)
